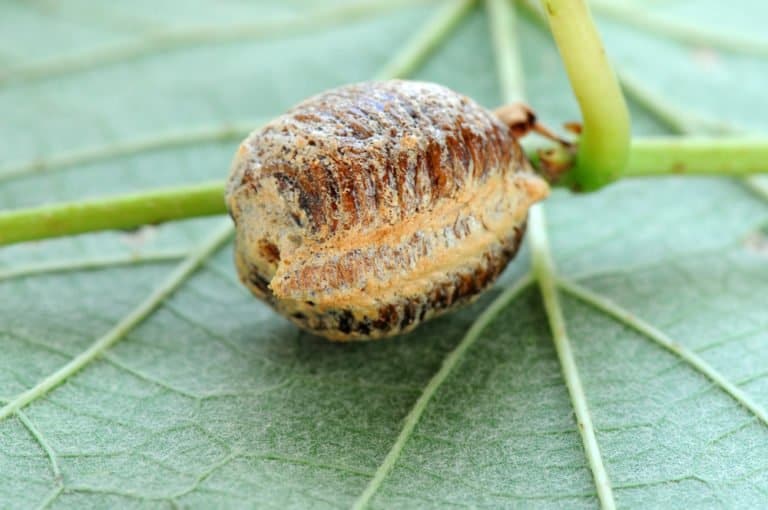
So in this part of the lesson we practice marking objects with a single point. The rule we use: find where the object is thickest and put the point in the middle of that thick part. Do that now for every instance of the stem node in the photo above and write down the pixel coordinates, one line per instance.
(604, 143)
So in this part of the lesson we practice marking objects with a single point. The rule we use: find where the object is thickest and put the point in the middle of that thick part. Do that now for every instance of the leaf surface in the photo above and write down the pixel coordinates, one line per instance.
(213, 400)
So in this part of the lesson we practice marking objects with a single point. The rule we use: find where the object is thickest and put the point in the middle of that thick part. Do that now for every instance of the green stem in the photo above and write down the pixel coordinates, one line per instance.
(511, 77)
(126, 211)
(658, 156)
(130, 211)
(604, 143)
(737, 156)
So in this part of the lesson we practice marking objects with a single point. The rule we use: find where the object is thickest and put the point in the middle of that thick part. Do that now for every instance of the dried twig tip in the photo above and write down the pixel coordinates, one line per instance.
(521, 119)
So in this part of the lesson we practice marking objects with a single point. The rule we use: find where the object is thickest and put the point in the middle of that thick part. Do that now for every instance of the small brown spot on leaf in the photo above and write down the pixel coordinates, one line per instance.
(757, 242)
(139, 237)
(706, 59)
(679, 167)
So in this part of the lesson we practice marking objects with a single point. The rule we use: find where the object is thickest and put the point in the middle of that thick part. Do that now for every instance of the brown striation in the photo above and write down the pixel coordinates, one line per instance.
(367, 209)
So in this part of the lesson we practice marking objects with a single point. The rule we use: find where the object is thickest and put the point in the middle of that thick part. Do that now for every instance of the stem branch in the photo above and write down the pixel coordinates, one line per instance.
(604, 143)
(121, 212)
(735, 156)
(657, 156)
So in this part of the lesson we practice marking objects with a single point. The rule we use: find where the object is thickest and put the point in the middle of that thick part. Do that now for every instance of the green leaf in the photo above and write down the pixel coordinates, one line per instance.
(164, 383)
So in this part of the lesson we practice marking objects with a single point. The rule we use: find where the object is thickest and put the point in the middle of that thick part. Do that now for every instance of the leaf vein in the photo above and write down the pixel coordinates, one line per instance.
(93, 263)
(141, 312)
(648, 21)
(543, 268)
(511, 78)
(205, 35)
(691, 358)
(449, 363)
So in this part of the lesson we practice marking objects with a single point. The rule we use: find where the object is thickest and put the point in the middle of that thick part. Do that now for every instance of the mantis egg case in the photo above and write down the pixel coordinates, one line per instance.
(371, 208)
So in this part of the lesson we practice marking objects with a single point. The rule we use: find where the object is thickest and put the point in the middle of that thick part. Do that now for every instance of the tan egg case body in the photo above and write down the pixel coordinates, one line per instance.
(373, 207)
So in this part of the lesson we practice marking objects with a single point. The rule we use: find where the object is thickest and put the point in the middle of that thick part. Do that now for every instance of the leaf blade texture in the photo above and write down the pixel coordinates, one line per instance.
(212, 400)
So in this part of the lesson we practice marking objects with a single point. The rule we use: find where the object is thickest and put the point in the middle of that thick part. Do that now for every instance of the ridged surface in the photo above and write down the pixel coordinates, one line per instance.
(362, 208)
